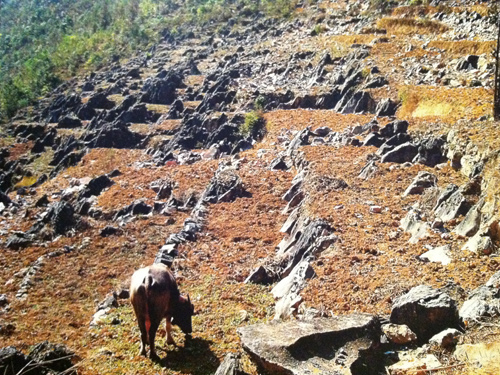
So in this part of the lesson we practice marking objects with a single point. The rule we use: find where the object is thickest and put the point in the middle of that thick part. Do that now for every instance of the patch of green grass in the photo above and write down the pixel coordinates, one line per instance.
(254, 125)
(222, 308)
(26, 181)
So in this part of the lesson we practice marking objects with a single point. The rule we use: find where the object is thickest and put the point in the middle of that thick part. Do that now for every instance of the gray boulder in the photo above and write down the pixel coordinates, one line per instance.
(412, 223)
(401, 154)
(426, 311)
(446, 339)
(339, 345)
(421, 182)
(230, 366)
(452, 207)
(483, 301)
(472, 221)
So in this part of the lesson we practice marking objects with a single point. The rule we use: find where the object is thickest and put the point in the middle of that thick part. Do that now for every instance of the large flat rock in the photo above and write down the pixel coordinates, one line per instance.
(338, 345)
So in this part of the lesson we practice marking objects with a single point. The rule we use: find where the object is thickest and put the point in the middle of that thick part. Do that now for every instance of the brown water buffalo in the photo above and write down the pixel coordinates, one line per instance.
(154, 296)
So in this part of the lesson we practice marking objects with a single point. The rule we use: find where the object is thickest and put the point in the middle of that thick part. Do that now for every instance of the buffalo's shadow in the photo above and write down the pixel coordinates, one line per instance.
(194, 357)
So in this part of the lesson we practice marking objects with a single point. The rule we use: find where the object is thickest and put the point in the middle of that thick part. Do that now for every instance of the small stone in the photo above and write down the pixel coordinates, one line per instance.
(376, 209)
(446, 339)
(440, 254)
(399, 333)
(3, 300)
(437, 224)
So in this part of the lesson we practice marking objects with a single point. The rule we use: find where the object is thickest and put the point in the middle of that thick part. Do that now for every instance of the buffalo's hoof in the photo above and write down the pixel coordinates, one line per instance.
(154, 357)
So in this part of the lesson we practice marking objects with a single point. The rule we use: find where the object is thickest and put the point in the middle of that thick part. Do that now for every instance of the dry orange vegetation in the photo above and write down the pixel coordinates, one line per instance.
(371, 262)
(19, 149)
(410, 26)
(445, 104)
(423, 10)
(463, 47)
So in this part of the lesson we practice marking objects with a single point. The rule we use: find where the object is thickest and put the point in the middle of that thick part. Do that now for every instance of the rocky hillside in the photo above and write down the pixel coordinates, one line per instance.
(325, 187)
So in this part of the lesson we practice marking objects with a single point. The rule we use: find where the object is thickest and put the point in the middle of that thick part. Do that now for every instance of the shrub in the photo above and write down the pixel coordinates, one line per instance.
(254, 125)
(26, 182)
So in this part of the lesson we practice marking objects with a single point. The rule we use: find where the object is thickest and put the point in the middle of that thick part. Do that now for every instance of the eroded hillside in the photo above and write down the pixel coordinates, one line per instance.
(286, 170)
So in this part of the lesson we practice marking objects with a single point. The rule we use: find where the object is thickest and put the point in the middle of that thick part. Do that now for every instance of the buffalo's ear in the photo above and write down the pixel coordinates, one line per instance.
(189, 299)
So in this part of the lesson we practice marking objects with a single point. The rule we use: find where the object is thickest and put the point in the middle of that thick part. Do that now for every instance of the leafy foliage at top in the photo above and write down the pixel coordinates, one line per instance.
(43, 42)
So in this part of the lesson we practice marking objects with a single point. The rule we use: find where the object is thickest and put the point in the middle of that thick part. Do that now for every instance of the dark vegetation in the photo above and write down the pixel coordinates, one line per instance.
(43, 42)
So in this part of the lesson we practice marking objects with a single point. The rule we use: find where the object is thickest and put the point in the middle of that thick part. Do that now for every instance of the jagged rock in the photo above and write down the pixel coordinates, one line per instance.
(161, 90)
(472, 221)
(398, 333)
(452, 207)
(260, 276)
(386, 107)
(418, 365)
(3, 300)
(360, 102)
(288, 289)
(96, 186)
(422, 181)
(100, 101)
(278, 164)
(445, 194)
(230, 365)
(19, 240)
(483, 301)
(56, 357)
(441, 254)
(43, 201)
(369, 170)
(480, 243)
(4, 198)
(413, 224)
(225, 186)
(393, 128)
(431, 151)
(69, 122)
(401, 154)
(61, 216)
(373, 139)
(12, 361)
(114, 135)
(446, 339)
(339, 345)
(306, 239)
(68, 160)
(426, 311)
(138, 207)
(110, 301)
(136, 114)
(110, 231)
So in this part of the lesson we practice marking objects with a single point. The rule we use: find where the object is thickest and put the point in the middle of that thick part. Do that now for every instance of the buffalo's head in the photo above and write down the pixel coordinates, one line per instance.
(182, 314)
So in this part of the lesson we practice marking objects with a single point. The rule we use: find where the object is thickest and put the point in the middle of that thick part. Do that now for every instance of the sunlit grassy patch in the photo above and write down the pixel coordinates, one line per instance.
(448, 104)
(409, 26)
(463, 47)
(222, 308)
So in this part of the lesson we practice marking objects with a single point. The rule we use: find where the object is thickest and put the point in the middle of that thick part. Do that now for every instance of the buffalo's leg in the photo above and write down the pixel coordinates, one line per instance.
(168, 327)
(144, 335)
(152, 335)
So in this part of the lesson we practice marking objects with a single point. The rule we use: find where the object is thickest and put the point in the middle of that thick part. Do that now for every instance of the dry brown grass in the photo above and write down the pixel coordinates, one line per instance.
(422, 10)
(463, 47)
(410, 26)
(158, 108)
(19, 149)
(446, 104)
